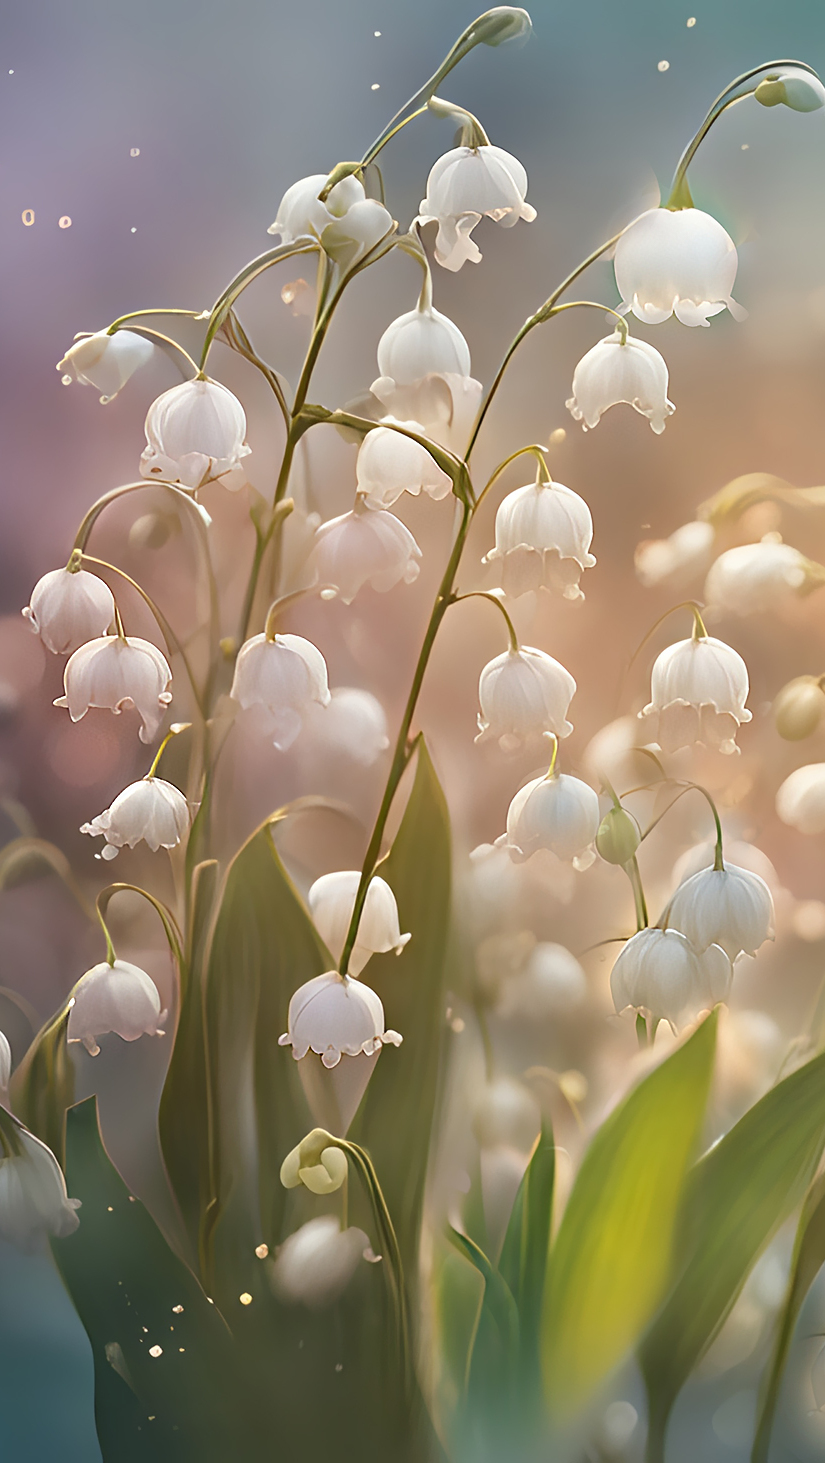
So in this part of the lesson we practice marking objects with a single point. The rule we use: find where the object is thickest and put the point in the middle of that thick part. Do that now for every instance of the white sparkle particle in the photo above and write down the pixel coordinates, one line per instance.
(745, 146)
(134, 231)
(156, 1351)
(134, 152)
(376, 86)
(245, 1298)
(663, 66)
(376, 32)
(691, 22)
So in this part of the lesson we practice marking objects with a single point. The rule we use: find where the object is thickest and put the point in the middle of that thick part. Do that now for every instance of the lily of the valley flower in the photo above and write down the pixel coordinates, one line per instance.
(754, 577)
(150, 810)
(698, 693)
(33, 1199)
(315, 1163)
(543, 537)
(390, 464)
(285, 674)
(67, 609)
(799, 708)
(117, 672)
(557, 813)
(464, 185)
(316, 1264)
(616, 371)
(660, 974)
(121, 998)
(523, 693)
(106, 361)
(792, 86)
(331, 902)
(676, 262)
(443, 406)
(352, 725)
(800, 801)
(194, 433)
(730, 907)
(364, 546)
(347, 224)
(677, 559)
(420, 342)
(551, 984)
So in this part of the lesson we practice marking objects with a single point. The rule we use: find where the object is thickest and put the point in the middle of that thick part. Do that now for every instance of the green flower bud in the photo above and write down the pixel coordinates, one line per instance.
(798, 708)
(504, 23)
(316, 1163)
(618, 837)
(792, 87)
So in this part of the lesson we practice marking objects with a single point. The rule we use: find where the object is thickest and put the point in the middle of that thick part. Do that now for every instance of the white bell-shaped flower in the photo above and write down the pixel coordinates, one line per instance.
(121, 998)
(335, 1017)
(364, 546)
(115, 673)
(390, 464)
(552, 983)
(792, 86)
(316, 1264)
(353, 725)
(676, 560)
(331, 902)
(364, 225)
(800, 801)
(754, 577)
(676, 262)
(730, 907)
(557, 813)
(464, 185)
(106, 361)
(543, 537)
(33, 1199)
(506, 1114)
(443, 407)
(698, 693)
(613, 372)
(194, 432)
(5, 1062)
(523, 693)
(67, 609)
(421, 342)
(285, 674)
(660, 974)
(347, 224)
(151, 810)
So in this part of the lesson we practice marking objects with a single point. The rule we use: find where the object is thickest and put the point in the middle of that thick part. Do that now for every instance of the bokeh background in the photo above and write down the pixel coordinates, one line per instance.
(151, 144)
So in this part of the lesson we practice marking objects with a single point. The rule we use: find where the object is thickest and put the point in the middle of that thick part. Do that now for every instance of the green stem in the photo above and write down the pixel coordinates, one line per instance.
(137, 314)
(167, 919)
(543, 470)
(718, 862)
(390, 1249)
(641, 1031)
(173, 732)
(632, 871)
(593, 305)
(493, 599)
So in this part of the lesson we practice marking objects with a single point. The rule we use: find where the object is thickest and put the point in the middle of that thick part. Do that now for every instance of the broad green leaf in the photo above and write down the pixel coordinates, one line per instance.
(739, 1194)
(184, 1403)
(612, 1257)
(395, 1119)
(43, 1084)
(808, 1259)
(494, 1355)
(523, 1260)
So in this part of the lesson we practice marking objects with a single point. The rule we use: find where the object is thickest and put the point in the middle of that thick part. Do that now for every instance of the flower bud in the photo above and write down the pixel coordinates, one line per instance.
(315, 1163)
(119, 998)
(502, 24)
(618, 837)
(798, 708)
(792, 87)
(800, 801)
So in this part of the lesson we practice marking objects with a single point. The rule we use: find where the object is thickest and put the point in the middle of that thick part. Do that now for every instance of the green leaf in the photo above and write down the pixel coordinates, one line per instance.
(523, 1261)
(43, 1084)
(611, 1260)
(186, 1403)
(493, 1360)
(739, 1194)
(395, 1119)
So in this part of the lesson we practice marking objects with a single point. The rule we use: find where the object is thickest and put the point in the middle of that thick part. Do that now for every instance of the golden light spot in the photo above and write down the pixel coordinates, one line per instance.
(245, 1298)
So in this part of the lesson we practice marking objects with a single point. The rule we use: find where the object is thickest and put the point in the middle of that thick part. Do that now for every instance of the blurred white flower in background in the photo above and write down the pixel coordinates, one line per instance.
(678, 559)
(558, 813)
(730, 907)
(287, 675)
(506, 1113)
(106, 361)
(33, 1199)
(543, 537)
(150, 810)
(464, 185)
(551, 983)
(331, 902)
(195, 432)
(119, 998)
(614, 753)
(799, 707)
(676, 262)
(390, 464)
(613, 373)
(659, 973)
(523, 694)
(68, 608)
(698, 693)
(115, 673)
(800, 801)
(754, 577)
(316, 1264)
(352, 725)
(364, 546)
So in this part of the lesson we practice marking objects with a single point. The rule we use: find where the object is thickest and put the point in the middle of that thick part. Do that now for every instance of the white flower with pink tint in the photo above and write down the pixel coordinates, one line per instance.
(68, 608)
(116, 673)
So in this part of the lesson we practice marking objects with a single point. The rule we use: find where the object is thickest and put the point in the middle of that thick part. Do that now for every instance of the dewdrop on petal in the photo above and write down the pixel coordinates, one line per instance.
(195, 432)
(523, 693)
(543, 537)
(364, 546)
(729, 907)
(464, 185)
(119, 998)
(659, 973)
(151, 810)
(67, 609)
(755, 577)
(106, 361)
(314, 1266)
(676, 262)
(558, 813)
(698, 693)
(616, 372)
(800, 801)
(675, 560)
(331, 902)
(116, 672)
(390, 464)
(286, 674)
(34, 1203)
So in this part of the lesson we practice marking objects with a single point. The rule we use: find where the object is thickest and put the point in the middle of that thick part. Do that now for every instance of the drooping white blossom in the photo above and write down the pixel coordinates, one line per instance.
(390, 464)
(116, 673)
(194, 433)
(118, 998)
(106, 361)
(362, 227)
(364, 546)
(33, 1199)
(331, 902)
(800, 801)
(420, 343)
(730, 907)
(347, 224)
(150, 810)
(506, 1113)
(794, 87)
(799, 707)
(353, 725)
(615, 372)
(543, 537)
(336, 1016)
(558, 813)
(676, 262)
(523, 693)
(286, 674)
(314, 1266)
(551, 984)
(67, 609)
(677, 559)
(464, 185)
(444, 407)
(754, 577)
(660, 974)
(698, 693)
